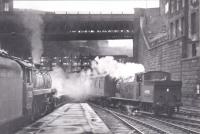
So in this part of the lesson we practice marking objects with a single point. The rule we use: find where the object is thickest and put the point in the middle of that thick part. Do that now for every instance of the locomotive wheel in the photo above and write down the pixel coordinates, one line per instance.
(156, 111)
(170, 112)
(43, 109)
(35, 111)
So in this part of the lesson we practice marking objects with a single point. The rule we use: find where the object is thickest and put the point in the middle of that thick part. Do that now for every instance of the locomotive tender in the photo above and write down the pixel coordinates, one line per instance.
(152, 91)
(25, 91)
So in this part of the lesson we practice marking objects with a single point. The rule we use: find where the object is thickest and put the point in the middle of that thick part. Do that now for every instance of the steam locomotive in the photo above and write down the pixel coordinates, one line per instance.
(152, 91)
(25, 91)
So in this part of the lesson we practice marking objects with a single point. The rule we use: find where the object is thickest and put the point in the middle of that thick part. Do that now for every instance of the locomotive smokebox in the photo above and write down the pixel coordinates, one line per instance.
(42, 67)
(38, 66)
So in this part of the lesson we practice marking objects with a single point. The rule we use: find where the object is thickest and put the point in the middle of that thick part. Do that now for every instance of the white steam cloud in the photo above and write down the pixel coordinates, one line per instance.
(78, 85)
(33, 22)
(107, 65)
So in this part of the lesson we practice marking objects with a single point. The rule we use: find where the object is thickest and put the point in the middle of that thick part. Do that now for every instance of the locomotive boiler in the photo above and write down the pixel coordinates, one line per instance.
(152, 91)
(25, 91)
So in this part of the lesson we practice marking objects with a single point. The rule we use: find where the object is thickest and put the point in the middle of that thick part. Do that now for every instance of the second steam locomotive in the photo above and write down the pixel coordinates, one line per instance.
(152, 91)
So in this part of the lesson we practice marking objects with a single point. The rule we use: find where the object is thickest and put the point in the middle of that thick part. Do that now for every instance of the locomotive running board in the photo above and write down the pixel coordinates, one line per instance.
(42, 91)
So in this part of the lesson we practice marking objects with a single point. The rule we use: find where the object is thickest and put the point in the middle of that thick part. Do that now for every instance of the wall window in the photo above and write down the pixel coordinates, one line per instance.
(194, 3)
(193, 23)
(175, 5)
(179, 4)
(182, 26)
(166, 8)
(177, 28)
(194, 49)
(198, 49)
(183, 3)
(171, 30)
(172, 6)
(6, 6)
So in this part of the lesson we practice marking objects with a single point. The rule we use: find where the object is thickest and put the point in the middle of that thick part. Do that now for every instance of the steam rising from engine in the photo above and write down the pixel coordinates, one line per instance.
(125, 71)
(33, 22)
(78, 85)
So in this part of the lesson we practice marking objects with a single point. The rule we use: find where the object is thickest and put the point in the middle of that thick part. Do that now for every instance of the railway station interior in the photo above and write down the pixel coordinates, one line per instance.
(99, 67)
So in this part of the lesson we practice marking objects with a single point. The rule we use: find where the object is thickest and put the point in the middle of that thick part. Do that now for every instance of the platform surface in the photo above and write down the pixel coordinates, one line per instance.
(72, 118)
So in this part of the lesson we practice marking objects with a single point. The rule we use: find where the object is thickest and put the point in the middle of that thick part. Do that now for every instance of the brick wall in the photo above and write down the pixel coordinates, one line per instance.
(166, 57)
(175, 54)
(190, 78)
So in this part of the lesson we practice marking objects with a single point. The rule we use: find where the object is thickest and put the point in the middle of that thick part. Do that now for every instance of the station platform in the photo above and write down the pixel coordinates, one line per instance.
(72, 118)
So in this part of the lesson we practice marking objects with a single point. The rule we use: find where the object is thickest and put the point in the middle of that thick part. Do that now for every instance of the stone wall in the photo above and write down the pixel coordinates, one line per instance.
(190, 78)
(165, 57)
(168, 57)
(177, 54)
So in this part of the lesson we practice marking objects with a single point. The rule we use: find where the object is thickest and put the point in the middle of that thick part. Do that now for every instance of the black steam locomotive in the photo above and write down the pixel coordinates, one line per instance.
(25, 91)
(152, 91)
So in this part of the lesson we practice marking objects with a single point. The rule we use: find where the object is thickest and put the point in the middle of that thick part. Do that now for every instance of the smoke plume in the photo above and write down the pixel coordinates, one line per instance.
(76, 85)
(33, 22)
(107, 65)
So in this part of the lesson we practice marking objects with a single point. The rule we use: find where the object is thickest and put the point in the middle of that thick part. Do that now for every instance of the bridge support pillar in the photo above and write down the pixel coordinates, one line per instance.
(135, 47)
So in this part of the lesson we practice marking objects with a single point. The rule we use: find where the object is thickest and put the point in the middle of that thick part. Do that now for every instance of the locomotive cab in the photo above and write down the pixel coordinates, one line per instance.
(27, 86)
(167, 96)
(161, 92)
(38, 97)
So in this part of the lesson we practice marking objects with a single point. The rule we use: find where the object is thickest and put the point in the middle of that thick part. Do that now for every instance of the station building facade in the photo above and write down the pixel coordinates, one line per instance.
(169, 41)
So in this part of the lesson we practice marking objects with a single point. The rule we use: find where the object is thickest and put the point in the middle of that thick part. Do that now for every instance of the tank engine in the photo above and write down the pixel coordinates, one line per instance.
(152, 91)
(25, 91)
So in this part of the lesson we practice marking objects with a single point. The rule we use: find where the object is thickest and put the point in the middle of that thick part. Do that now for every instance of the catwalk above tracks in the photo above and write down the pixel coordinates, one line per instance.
(72, 118)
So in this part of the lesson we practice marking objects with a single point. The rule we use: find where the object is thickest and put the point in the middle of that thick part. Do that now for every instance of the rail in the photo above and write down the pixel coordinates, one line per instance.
(175, 123)
(121, 116)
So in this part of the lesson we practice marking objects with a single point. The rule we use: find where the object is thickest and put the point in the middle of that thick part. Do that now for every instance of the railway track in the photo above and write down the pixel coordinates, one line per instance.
(184, 123)
(188, 113)
(180, 119)
(137, 126)
(189, 120)
(116, 124)
(188, 125)
(195, 111)
(163, 124)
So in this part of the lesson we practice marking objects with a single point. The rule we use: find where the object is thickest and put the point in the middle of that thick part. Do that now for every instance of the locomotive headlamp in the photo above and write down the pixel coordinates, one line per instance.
(167, 89)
